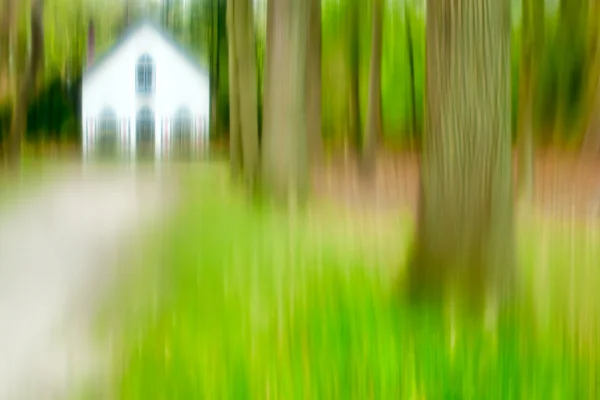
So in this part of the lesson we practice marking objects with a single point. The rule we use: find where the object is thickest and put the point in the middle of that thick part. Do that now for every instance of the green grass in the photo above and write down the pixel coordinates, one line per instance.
(231, 302)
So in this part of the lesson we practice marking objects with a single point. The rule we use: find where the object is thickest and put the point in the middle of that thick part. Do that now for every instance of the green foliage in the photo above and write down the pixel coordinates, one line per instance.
(563, 75)
(49, 111)
(70, 130)
(247, 303)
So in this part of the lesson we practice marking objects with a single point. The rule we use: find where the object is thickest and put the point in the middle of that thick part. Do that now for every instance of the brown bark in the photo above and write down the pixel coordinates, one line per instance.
(267, 66)
(6, 30)
(465, 222)
(374, 110)
(411, 70)
(235, 146)
(6, 21)
(354, 81)
(591, 142)
(569, 30)
(26, 84)
(591, 118)
(531, 51)
(215, 68)
(313, 82)
(284, 141)
(245, 48)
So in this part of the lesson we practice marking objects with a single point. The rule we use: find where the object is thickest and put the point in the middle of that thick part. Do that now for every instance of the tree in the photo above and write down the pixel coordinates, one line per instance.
(571, 26)
(245, 58)
(216, 35)
(6, 22)
(464, 240)
(243, 90)
(167, 13)
(591, 119)
(6, 31)
(284, 167)
(354, 81)
(26, 84)
(531, 52)
(411, 70)
(374, 110)
(235, 142)
(313, 81)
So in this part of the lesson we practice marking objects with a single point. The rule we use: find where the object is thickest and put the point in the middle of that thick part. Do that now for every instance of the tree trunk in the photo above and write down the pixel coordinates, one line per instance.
(465, 223)
(591, 143)
(374, 111)
(215, 67)
(313, 82)
(235, 142)
(591, 120)
(411, 70)
(267, 68)
(6, 31)
(568, 33)
(6, 22)
(245, 48)
(354, 81)
(531, 51)
(284, 142)
(26, 85)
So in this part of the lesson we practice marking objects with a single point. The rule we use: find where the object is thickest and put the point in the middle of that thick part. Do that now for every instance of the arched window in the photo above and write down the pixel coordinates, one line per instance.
(145, 125)
(182, 123)
(145, 74)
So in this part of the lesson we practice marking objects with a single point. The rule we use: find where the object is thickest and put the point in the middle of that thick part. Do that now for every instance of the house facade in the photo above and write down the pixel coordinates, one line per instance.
(146, 98)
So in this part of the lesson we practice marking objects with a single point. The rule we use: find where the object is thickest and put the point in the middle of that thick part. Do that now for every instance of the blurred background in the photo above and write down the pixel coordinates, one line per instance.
(321, 199)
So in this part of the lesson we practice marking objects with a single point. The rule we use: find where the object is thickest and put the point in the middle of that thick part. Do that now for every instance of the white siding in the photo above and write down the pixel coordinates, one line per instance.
(177, 82)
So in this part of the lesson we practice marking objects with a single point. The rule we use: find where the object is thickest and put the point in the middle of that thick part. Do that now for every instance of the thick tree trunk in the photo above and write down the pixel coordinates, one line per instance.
(245, 48)
(354, 81)
(235, 141)
(411, 70)
(284, 142)
(374, 110)
(27, 84)
(313, 82)
(465, 223)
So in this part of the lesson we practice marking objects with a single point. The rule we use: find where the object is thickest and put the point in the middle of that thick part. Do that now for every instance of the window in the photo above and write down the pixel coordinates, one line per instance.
(182, 123)
(107, 122)
(144, 134)
(145, 125)
(145, 74)
(181, 135)
(106, 138)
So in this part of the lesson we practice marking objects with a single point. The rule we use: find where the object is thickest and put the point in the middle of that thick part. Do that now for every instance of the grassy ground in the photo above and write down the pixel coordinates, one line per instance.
(231, 302)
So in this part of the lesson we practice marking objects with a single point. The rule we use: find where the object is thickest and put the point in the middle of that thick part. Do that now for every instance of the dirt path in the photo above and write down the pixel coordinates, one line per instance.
(564, 184)
(57, 246)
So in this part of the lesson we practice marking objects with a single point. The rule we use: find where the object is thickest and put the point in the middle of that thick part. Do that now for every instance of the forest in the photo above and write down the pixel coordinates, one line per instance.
(400, 197)
(562, 102)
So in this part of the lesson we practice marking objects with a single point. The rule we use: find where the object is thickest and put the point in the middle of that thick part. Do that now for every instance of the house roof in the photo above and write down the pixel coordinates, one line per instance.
(129, 32)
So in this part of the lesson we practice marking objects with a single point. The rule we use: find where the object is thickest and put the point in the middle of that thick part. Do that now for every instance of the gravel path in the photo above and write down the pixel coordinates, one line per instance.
(57, 247)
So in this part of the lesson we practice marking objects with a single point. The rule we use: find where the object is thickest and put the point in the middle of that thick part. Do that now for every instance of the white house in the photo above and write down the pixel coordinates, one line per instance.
(145, 97)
